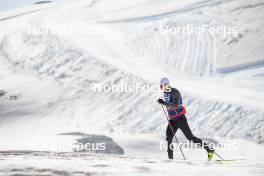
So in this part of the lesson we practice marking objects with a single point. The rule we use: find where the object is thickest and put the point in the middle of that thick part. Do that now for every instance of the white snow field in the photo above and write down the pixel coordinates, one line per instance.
(52, 56)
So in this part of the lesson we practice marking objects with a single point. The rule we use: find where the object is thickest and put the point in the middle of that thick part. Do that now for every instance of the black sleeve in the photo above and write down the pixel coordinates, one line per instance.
(176, 96)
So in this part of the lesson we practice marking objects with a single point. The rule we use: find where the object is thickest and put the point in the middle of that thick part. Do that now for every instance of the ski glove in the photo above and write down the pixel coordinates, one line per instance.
(160, 101)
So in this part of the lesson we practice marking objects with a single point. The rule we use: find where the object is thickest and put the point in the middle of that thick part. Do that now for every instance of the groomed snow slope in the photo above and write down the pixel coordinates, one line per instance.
(55, 75)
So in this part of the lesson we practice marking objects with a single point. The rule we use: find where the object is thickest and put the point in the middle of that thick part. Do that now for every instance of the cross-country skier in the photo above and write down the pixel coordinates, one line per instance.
(176, 112)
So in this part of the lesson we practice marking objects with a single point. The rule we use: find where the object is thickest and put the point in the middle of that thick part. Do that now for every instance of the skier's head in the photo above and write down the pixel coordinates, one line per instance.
(164, 84)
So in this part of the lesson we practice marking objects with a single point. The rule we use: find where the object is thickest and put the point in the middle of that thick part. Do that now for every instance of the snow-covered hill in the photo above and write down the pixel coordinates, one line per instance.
(53, 76)
(73, 62)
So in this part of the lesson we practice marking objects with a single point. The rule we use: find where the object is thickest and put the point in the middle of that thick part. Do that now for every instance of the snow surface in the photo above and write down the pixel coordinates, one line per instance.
(52, 78)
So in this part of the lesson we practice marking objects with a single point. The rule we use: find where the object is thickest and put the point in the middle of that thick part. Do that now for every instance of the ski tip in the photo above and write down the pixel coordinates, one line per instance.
(230, 160)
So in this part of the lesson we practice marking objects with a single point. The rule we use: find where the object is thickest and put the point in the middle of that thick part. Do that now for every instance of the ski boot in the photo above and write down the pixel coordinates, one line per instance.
(170, 154)
(210, 154)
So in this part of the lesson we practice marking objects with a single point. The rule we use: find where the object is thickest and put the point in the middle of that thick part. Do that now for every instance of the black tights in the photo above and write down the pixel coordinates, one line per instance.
(182, 124)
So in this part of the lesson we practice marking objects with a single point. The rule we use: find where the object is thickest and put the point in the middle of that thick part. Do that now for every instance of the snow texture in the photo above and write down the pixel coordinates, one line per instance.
(47, 83)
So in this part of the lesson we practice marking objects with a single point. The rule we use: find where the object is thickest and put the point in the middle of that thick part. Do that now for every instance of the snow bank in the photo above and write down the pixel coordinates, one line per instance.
(96, 144)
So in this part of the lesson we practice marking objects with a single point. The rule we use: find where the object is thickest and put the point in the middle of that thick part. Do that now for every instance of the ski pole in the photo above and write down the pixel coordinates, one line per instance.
(173, 133)
(219, 156)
